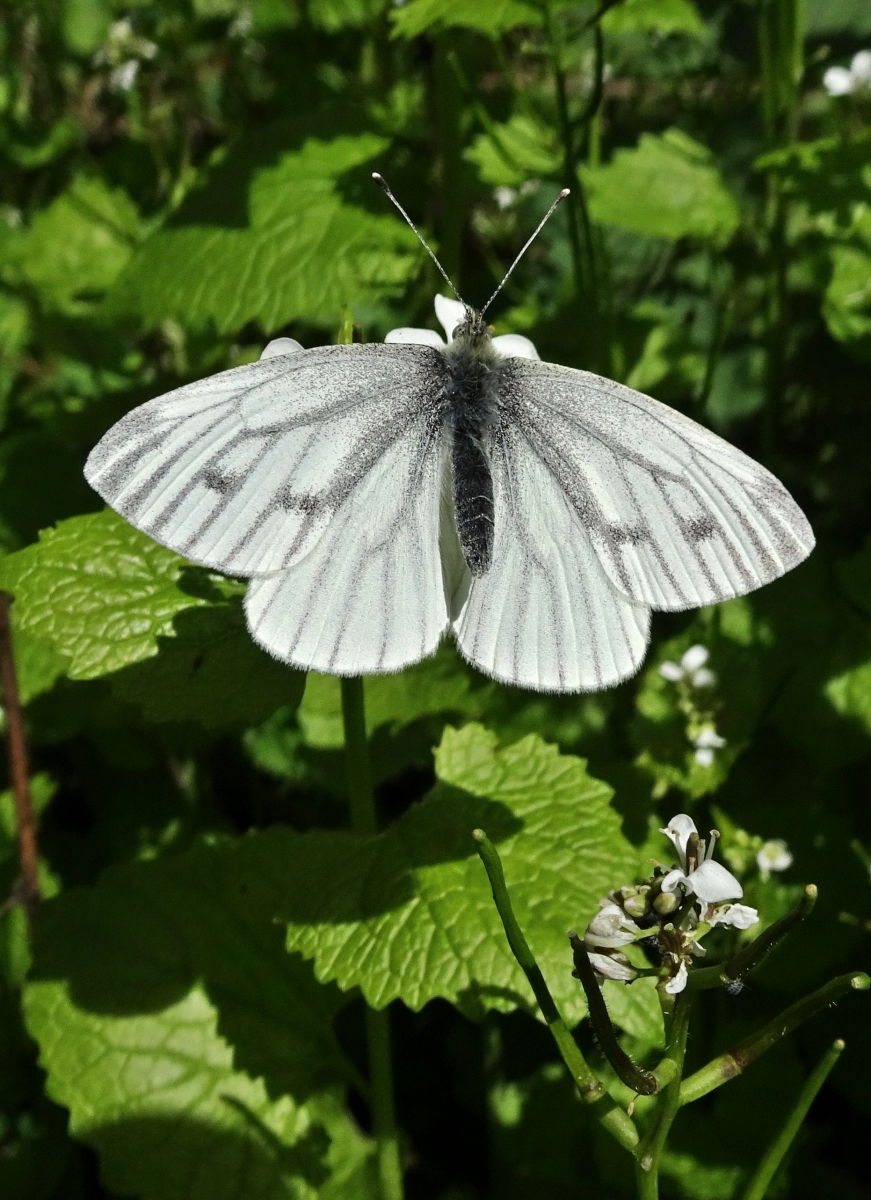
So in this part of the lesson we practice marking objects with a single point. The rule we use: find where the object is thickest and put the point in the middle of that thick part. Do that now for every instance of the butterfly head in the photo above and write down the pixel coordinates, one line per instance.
(473, 330)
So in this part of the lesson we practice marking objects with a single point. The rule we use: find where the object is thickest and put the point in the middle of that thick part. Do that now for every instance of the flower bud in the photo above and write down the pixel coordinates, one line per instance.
(666, 902)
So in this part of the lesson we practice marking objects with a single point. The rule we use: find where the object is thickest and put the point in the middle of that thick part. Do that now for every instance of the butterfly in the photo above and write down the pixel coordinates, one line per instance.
(380, 495)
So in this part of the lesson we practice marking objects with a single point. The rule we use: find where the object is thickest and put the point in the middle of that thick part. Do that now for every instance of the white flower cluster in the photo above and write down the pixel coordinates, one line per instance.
(676, 907)
(691, 675)
(123, 51)
(841, 81)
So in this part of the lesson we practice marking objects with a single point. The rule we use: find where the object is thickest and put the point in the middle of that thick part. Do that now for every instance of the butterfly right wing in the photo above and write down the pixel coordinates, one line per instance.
(545, 615)
(244, 471)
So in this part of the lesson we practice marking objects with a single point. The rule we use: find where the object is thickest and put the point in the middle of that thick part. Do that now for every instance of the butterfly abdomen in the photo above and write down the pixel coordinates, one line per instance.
(471, 405)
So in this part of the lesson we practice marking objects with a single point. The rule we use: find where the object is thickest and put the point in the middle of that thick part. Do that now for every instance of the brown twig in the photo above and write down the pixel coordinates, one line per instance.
(28, 888)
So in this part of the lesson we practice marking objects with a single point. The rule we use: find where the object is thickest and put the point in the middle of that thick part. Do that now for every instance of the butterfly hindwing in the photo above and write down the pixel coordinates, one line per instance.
(545, 615)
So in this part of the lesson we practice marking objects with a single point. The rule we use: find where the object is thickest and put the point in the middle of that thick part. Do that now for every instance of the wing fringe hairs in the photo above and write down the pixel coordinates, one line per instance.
(321, 475)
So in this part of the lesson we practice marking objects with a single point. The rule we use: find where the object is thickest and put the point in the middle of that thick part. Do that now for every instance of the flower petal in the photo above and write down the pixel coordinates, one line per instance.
(612, 968)
(774, 856)
(678, 832)
(673, 879)
(450, 313)
(712, 883)
(838, 81)
(515, 345)
(416, 337)
(281, 346)
(679, 982)
(672, 672)
(739, 916)
(694, 658)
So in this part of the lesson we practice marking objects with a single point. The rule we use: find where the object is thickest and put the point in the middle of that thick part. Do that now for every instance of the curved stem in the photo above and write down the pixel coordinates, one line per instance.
(618, 1123)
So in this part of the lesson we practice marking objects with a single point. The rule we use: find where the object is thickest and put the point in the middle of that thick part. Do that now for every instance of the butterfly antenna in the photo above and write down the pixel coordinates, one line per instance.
(547, 216)
(382, 183)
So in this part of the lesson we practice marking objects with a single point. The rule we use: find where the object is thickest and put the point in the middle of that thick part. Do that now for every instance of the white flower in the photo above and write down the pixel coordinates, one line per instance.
(706, 742)
(706, 879)
(774, 856)
(691, 668)
(122, 78)
(679, 981)
(739, 916)
(450, 314)
(611, 928)
(504, 197)
(613, 966)
(840, 81)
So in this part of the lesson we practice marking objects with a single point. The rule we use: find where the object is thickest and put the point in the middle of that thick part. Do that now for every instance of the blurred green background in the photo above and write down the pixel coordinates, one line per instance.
(184, 179)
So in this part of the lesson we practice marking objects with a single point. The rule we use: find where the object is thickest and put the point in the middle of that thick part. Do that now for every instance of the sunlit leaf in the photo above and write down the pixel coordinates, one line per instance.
(489, 16)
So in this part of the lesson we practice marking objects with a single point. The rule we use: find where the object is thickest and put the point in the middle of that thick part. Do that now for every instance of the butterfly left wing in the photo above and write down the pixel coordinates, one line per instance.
(678, 517)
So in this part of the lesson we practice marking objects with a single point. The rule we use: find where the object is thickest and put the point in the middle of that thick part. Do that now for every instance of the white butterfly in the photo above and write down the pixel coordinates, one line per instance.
(380, 495)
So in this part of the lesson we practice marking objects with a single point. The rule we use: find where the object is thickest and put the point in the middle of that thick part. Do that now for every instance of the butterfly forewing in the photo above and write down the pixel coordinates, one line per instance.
(678, 518)
(244, 472)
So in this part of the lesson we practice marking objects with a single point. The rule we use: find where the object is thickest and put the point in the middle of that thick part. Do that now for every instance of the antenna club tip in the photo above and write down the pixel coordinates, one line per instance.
(380, 180)
(565, 192)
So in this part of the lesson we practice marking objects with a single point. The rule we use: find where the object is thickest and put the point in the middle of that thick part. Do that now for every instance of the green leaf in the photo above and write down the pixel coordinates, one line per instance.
(408, 914)
(334, 15)
(77, 246)
(847, 305)
(654, 16)
(85, 24)
(210, 672)
(184, 1040)
(490, 17)
(510, 154)
(667, 187)
(837, 16)
(298, 250)
(98, 592)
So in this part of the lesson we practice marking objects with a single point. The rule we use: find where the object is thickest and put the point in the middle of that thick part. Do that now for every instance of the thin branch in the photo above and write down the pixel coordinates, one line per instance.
(777, 1151)
(634, 1077)
(618, 1123)
(28, 888)
(735, 1061)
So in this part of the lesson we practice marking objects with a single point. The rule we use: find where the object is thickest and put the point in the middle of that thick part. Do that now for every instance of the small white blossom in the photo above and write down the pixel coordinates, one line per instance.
(679, 981)
(504, 197)
(841, 81)
(122, 78)
(706, 742)
(691, 669)
(451, 313)
(612, 966)
(703, 877)
(611, 928)
(773, 856)
(739, 916)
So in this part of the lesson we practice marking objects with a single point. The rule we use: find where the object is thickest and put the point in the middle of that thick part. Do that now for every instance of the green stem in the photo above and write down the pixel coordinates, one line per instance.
(735, 1061)
(777, 1151)
(752, 956)
(640, 1081)
(364, 820)
(650, 1151)
(618, 1123)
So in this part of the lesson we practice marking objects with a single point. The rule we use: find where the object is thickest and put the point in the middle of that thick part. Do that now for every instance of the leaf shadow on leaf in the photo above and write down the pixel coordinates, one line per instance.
(210, 672)
(376, 875)
(148, 933)
(144, 1154)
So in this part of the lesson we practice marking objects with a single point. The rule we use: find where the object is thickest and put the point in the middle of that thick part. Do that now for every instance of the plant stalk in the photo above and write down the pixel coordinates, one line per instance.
(364, 820)
(650, 1151)
(735, 1061)
(618, 1123)
(28, 891)
(777, 1151)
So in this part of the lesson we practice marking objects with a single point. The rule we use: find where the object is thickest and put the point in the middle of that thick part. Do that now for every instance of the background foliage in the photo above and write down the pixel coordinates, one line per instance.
(182, 179)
